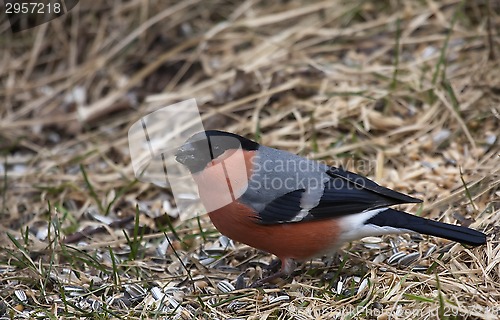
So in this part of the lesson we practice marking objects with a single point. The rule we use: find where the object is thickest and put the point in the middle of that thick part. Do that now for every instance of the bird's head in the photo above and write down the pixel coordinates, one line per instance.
(205, 146)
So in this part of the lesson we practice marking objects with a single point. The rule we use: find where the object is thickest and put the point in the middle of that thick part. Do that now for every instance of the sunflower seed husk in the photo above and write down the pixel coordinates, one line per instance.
(236, 305)
(340, 285)
(362, 286)
(419, 268)
(161, 250)
(430, 251)
(74, 291)
(21, 295)
(99, 217)
(96, 305)
(279, 299)
(225, 242)
(394, 247)
(207, 261)
(409, 259)
(396, 257)
(42, 233)
(375, 246)
(175, 292)
(225, 286)
(84, 304)
(173, 303)
(135, 290)
(5, 269)
(379, 258)
(372, 240)
(157, 293)
(215, 250)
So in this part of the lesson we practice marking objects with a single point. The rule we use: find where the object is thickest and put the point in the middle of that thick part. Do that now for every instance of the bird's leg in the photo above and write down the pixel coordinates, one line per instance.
(274, 265)
(287, 267)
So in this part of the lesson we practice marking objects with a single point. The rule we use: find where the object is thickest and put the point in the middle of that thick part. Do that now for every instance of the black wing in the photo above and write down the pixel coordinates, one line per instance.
(345, 193)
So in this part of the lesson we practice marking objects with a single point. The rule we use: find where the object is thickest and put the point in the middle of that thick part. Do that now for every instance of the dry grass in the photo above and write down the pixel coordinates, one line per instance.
(406, 93)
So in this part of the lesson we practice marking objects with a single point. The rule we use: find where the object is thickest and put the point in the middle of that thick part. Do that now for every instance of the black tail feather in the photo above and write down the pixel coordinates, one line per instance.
(399, 219)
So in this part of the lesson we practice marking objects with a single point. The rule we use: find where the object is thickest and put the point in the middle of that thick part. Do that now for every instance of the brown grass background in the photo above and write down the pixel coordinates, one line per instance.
(407, 93)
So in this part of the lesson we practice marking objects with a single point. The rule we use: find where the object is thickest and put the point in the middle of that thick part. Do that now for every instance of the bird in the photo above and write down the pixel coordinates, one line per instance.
(293, 207)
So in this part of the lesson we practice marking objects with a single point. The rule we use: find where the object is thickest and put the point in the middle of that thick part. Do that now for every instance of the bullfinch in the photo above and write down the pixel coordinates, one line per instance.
(293, 207)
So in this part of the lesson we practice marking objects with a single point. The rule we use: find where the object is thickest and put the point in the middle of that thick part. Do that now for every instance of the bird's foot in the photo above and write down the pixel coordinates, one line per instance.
(287, 267)
(274, 265)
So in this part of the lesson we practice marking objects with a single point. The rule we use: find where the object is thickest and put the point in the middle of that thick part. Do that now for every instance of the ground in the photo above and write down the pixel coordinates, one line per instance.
(406, 93)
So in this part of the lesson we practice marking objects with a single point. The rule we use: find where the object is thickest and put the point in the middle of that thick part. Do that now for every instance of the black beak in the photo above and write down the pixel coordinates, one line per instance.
(185, 154)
